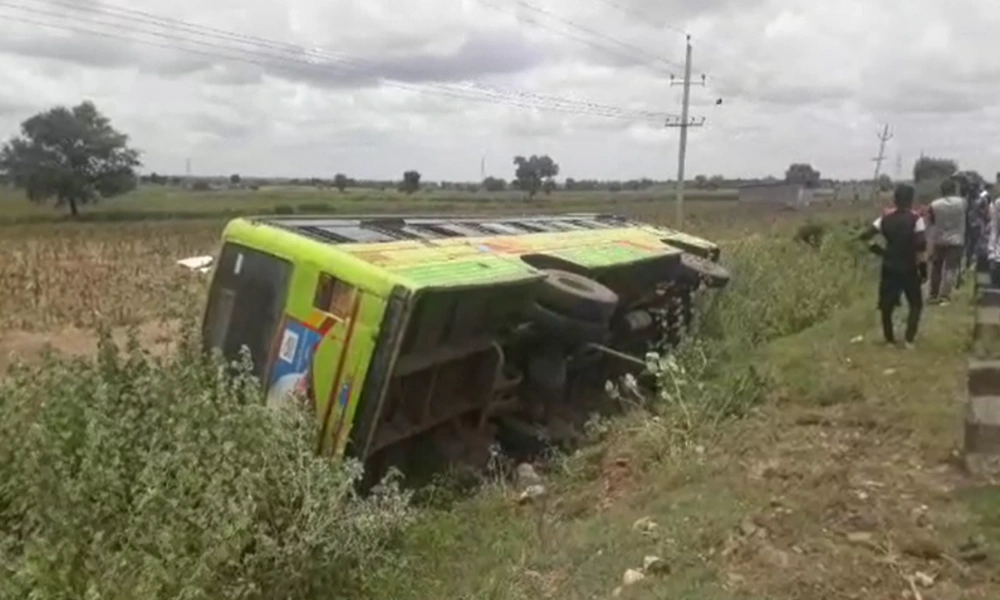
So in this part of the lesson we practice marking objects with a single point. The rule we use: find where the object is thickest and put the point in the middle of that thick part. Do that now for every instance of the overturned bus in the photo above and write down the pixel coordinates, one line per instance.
(413, 338)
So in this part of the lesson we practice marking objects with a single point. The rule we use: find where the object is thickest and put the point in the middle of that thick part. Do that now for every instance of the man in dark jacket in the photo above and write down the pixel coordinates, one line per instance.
(904, 262)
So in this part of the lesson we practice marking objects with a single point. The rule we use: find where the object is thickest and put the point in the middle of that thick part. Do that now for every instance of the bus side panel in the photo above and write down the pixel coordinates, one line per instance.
(348, 385)
(340, 348)
(385, 348)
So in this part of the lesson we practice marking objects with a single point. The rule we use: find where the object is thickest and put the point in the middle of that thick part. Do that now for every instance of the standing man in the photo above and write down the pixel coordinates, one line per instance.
(993, 244)
(947, 219)
(981, 216)
(974, 224)
(904, 265)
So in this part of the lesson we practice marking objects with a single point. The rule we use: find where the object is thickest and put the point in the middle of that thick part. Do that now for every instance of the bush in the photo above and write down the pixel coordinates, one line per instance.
(133, 477)
(780, 288)
(811, 233)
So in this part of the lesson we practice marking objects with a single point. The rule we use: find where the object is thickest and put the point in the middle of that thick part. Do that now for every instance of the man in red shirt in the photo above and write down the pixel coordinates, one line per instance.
(904, 262)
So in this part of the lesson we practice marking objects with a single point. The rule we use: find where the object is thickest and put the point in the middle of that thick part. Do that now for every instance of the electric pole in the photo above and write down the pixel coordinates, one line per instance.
(883, 136)
(684, 124)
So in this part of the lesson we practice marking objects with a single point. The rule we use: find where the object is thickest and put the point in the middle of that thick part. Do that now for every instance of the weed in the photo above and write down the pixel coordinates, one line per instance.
(131, 477)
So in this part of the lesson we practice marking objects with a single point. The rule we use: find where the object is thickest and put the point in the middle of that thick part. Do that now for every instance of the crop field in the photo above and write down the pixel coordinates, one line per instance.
(62, 274)
(62, 279)
(792, 457)
(151, 201)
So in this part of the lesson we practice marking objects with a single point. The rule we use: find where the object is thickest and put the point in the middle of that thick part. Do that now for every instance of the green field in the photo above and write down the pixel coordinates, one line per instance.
(152, 201)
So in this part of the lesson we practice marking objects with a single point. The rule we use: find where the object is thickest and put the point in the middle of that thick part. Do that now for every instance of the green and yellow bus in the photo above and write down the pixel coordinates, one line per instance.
(444, 335)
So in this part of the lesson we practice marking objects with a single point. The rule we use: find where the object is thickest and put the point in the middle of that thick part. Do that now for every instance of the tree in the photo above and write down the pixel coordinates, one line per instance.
(803, 174)
(928, 167)
(884, 183)
(973, 178)
(340, 182)
(531, 172)
(71, 154)
(493, 184)
(235, 179)
(411, 182)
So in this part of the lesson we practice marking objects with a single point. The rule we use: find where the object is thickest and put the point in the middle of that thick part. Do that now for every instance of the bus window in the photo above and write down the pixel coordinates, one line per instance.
(245, 302)
(333, 296)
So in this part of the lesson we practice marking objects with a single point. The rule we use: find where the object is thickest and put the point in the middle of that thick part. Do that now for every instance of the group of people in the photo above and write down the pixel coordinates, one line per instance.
(964, 223)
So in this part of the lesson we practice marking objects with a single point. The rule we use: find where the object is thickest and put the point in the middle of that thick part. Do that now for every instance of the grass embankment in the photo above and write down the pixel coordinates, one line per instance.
(835, 483)
(785, 459)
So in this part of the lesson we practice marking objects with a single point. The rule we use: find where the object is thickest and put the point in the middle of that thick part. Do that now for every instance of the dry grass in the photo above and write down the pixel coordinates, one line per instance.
(56, 276)
(61, 275)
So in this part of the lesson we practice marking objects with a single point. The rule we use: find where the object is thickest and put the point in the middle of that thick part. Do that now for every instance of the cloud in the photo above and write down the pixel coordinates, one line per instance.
(311, 87)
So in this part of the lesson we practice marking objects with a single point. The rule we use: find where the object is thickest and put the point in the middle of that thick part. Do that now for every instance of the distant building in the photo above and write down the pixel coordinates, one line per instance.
(778, 194)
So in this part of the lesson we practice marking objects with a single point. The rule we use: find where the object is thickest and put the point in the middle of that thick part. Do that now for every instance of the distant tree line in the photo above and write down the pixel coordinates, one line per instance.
(73, 156)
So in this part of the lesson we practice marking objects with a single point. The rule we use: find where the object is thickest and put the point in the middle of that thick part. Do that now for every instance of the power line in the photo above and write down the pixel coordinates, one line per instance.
(598, 34)
(294, 57)
(351, 64)
(584, 40)
(642, 17)
(354, 63)
(656, 22)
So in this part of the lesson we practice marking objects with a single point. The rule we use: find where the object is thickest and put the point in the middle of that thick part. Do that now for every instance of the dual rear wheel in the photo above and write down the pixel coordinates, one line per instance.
(573, 308)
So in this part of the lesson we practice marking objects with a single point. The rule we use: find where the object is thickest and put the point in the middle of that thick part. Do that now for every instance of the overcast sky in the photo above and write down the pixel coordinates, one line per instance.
(374, 87)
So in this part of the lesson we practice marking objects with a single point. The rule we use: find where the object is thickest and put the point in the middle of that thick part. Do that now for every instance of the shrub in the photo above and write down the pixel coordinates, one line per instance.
(779, 288)
(134, 477)
(811, 233)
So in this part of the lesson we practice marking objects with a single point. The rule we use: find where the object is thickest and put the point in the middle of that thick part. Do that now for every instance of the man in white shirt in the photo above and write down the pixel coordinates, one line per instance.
(982, 216)
(947, 219)
(975, 226)
(993, 244)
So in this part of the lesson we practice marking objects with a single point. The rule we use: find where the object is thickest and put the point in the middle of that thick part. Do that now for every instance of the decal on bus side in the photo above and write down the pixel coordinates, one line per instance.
(293, 371)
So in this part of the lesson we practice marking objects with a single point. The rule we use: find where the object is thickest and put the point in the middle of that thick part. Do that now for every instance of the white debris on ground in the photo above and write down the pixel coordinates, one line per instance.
(529, 483)
(632, 576)
(645, 526)
(202, 264)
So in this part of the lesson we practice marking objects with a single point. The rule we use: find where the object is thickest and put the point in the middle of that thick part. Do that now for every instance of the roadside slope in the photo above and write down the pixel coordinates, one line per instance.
(841, 486)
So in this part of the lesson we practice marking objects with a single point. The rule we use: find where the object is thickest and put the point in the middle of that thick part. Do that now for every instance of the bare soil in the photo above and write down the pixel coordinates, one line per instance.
(29, 346)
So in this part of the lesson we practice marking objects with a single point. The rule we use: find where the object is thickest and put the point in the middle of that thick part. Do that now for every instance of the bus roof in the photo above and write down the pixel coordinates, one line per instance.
(459, 251)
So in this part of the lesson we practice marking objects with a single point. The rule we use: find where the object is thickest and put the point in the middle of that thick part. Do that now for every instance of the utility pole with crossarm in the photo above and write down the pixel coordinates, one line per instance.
(883, 136)
(684, 123)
